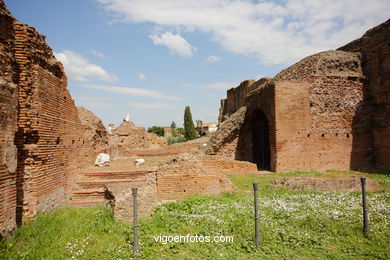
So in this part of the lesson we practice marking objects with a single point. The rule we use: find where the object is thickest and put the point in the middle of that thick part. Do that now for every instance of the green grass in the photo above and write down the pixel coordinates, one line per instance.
(383, 178)
(293, 225)
(244, 181)
(63, 233)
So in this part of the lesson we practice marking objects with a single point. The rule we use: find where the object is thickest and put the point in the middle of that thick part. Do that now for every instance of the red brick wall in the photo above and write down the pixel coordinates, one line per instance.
(236, 97)
(238, 145)
(49, 137)
(314, 123)
(8, 124)
(373, 122)
(180, 186)
(262, 99)
(312, 109)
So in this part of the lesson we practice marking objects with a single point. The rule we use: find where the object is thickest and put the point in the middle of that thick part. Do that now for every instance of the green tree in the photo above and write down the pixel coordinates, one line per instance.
(157, 130)
(173, 129)
(180, 131)
(189, 128)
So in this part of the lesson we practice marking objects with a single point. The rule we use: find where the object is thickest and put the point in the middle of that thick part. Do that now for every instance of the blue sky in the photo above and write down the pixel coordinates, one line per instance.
(152, 58)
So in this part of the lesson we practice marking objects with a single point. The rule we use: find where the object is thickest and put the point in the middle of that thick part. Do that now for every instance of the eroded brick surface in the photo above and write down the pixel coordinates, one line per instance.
(8, 123)
(94, 130)
(374, 119)
(41, 135)
(128, 137)
(328, 111)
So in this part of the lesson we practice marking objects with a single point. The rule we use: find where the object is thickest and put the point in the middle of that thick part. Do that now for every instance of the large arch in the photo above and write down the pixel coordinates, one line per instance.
(261, 140)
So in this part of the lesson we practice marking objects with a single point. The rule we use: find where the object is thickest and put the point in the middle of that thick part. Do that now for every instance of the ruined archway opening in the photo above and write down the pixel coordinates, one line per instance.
(260, 140)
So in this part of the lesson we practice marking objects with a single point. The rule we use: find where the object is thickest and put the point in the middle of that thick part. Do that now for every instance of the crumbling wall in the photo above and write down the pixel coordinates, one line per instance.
(49, 130)
(373, 121)
(185, 176)
(181, 186)
(260, 100)
(235, 100)
(130, 137)
(94, 131)
(310, 109)
(8, 123)
(222, 111)
(50, 136)
(119, 196)
(222, 140)
(41, 135)
(316, 101)
(154, 141)
(236, 97)
(233, 139)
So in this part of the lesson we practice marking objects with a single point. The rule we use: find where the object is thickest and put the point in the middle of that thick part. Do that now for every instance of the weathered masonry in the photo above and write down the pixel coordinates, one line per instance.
(41, 136)
(330, 110)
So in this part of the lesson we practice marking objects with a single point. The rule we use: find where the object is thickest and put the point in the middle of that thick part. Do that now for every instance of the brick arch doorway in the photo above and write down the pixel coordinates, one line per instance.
(260, 140)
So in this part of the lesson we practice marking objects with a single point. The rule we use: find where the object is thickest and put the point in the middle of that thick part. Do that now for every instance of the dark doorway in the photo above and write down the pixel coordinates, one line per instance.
(260, 141)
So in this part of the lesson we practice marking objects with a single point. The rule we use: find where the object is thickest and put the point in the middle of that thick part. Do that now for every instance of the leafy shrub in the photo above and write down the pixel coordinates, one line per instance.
(158, 130)
(176, 139)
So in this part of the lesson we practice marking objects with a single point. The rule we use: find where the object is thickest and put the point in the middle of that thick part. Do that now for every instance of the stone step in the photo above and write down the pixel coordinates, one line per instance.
(88, 193)
(87, 202)
(113, 175)
(99, 183)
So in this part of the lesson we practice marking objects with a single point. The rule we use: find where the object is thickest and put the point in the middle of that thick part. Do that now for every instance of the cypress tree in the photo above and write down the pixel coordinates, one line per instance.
(173, 128)
(189, 128)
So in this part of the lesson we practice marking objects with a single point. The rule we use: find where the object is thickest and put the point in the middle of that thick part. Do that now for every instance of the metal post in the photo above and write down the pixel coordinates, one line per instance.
(135, 224)
(365, 216)
(257, 235)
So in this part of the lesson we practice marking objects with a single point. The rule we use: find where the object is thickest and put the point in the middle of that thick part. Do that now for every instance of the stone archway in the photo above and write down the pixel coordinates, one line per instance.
(260, 140)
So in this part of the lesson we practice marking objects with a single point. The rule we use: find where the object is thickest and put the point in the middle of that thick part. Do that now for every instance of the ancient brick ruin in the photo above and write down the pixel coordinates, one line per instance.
(41, 134)
(128, 137)
(8, 119)
(95, 132)
(46, 142)
(328, 111)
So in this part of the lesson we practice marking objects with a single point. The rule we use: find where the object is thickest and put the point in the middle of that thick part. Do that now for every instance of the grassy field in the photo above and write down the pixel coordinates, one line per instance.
(244, 182)
(294, 225)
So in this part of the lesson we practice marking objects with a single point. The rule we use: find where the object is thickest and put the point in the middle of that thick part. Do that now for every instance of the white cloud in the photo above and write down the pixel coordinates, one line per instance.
(275, 32)
(98, 54)
(93, 102)
(153, 106)
(79, 69)
(213, 59)
(132, 91)
(141, 76)
(218, 85)
(175, 43)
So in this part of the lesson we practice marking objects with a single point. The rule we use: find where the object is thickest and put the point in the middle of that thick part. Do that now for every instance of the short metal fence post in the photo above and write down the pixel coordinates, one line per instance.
(365, 214)
(135, 224)
(257, 233)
